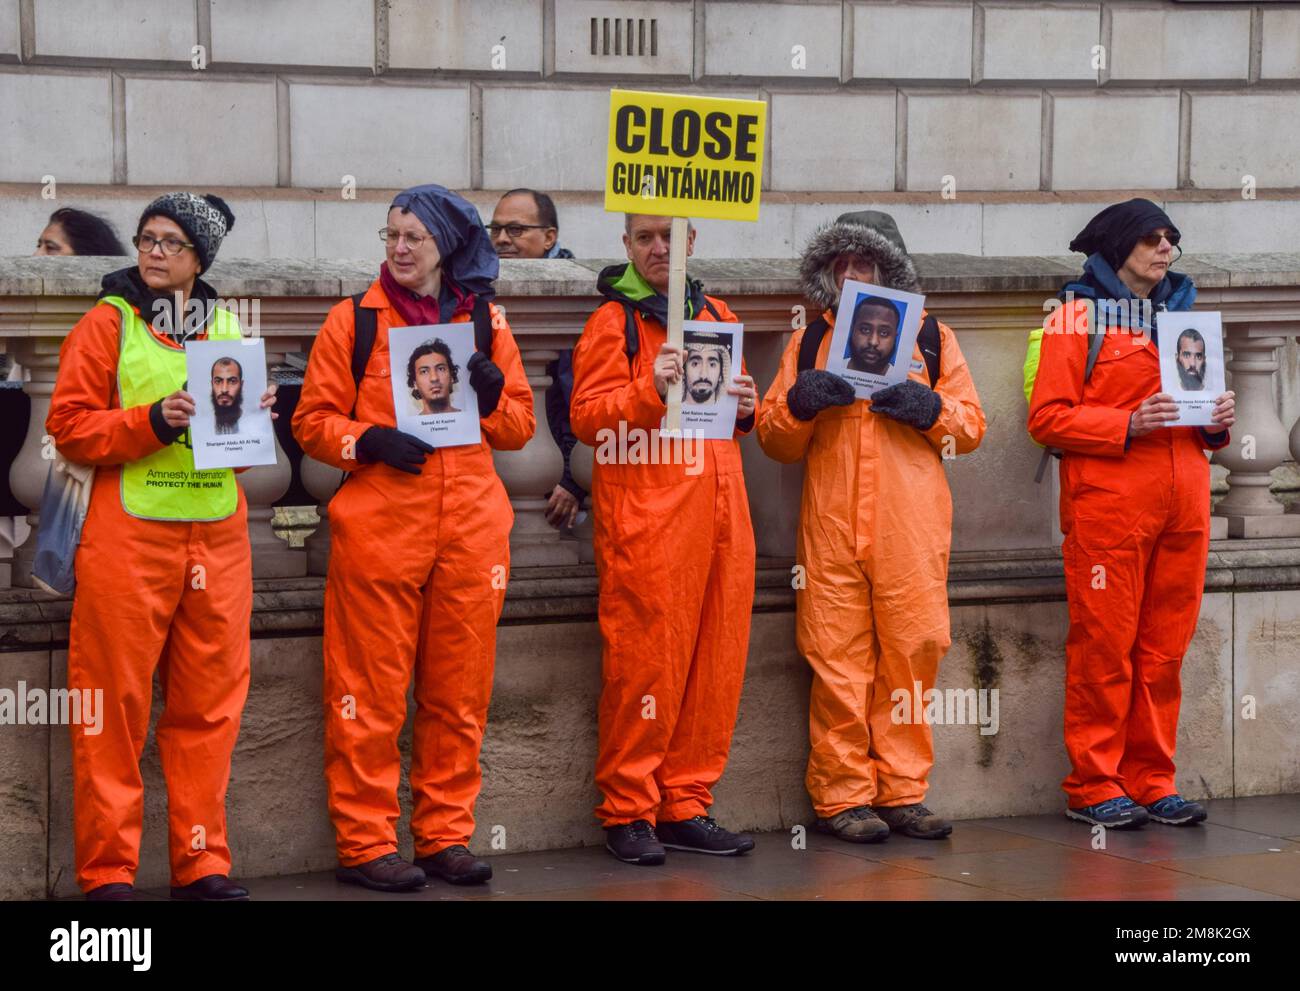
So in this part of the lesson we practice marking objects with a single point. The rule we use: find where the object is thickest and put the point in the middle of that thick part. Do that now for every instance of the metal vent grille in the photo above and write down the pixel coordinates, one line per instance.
(625, 36)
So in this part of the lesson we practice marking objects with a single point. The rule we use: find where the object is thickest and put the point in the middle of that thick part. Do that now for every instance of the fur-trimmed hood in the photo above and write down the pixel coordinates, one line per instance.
(816, 268)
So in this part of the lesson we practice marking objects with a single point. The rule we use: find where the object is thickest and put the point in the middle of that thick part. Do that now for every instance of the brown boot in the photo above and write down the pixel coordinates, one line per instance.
(914, 820)
(387, 873)
(456, 865)
(856, 825)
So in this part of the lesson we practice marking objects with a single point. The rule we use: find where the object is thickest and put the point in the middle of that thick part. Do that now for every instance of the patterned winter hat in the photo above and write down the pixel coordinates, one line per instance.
(205, 219)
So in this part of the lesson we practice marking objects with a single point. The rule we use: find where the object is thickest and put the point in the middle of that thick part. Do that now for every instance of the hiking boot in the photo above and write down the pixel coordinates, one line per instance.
(1174, 810)
(914, 820)
(213, 888)
(1114, 813)
(702, 834)
(635, 843)
(119, 891)
(387, 873)
(456, 865)
(857, 825)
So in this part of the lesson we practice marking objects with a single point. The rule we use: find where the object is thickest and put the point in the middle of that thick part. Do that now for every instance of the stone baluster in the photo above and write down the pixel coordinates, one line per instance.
(40, 356)
(530, 474)
(263, 486)
(322, 481)
(1259, 439)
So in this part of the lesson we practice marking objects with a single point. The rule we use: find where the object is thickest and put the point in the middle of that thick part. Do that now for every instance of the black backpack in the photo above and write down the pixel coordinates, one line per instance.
(367, 325)
(927, 340)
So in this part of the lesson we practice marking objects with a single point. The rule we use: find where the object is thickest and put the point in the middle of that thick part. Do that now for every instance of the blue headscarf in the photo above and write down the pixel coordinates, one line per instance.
(468, 257)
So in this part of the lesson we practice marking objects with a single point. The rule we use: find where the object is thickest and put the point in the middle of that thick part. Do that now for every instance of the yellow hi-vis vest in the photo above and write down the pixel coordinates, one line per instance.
(166, 485)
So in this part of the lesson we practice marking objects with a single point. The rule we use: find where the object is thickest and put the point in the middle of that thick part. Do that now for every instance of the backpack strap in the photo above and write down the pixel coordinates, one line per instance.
(929, 343)
(812, 341)
(365, 325)
(1096, 338)
(713, 310)
(631, 340)
(483, 326)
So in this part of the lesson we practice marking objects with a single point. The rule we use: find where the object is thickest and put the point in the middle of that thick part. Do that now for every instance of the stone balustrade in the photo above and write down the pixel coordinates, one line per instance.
(990, 302)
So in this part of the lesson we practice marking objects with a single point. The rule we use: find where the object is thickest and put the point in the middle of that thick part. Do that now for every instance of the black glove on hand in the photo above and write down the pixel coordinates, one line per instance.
(816, 389)
(487, 381)
(909, 402)
(163, 430)
(393, 448)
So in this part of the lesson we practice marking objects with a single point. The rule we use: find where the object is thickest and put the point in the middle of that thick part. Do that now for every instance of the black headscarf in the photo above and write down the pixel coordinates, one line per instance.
(1116, 230)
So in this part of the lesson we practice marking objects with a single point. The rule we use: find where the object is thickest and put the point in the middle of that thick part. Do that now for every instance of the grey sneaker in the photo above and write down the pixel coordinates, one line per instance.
(914, 820)
(856, 825)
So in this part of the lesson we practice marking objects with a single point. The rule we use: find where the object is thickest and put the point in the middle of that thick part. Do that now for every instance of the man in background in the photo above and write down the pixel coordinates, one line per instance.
(525, 225)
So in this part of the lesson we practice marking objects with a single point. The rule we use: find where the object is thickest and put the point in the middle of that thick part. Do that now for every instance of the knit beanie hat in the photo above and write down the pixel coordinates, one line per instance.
(206, 220)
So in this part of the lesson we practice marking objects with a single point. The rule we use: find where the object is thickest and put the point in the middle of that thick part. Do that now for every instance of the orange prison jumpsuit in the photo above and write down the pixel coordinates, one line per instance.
(875, 527)
(1142, 515)
(675, 558)
(140, 604)
(416, 585)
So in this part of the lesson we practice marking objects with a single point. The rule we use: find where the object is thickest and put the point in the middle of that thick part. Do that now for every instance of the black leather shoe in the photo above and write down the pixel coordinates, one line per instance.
(456, 865)
(635, 843)
(119, 891)
(213, 888)
(387, 873)
(702, 834)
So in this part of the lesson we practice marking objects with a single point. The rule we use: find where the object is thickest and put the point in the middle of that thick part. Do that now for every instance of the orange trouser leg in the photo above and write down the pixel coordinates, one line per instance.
(912, 635)
(652, 586)
(129, 580)
(701, 739)
(1170, 605)
(1105, 572)
(204, 676)
(453, 675)
(373, 603)
(834, 631)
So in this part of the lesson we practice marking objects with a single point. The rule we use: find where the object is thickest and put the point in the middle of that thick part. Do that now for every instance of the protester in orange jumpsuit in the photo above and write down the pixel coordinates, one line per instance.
(419, 555)
(675, 556)
(874, 534)
(164, 575)
(1135, 512)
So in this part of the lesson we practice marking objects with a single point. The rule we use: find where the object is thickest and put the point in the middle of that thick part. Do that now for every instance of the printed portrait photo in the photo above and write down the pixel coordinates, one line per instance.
(432, 377)
(1191, 363)
(432, 397)
(706, 367)
(229, 429)
(874, 334)
(227, 394)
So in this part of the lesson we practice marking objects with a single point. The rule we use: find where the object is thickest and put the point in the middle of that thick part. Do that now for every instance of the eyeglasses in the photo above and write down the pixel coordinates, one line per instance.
(413, 241)
(515, 230)
(170, 245)
(1153, 240)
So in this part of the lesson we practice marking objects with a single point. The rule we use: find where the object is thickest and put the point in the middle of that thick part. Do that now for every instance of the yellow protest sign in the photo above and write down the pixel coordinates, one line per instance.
(684, 156)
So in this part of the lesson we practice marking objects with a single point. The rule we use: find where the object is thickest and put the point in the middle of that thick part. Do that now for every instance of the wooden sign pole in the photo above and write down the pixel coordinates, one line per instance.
(676, 304)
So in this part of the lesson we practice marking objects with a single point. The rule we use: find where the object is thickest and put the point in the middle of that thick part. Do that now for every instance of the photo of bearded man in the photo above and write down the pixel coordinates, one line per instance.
(227, 394)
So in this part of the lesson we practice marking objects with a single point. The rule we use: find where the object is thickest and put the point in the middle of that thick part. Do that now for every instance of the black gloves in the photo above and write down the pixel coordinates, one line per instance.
(816, 389)
(393, 448)
(163, 430)
(487, 381)
(908, 402)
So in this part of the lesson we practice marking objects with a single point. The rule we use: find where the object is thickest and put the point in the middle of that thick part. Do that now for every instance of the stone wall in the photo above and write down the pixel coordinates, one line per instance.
(1005, 588)
(1007, 104)
(540, 747)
